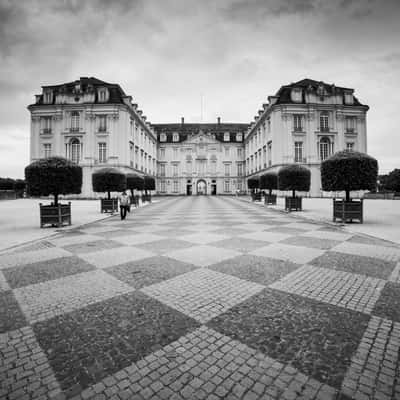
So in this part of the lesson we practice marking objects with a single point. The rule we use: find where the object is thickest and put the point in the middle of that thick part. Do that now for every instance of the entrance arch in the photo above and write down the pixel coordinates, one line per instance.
(201, 187)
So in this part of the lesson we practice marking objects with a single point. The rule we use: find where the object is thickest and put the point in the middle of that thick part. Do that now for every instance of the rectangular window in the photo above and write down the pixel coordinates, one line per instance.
(226, 152)
(175, 170)
(75, 121)
(324, 122)
(102, 152)
(350, 146)
(350, 124)
(46, 124)
(297, 123)
(269, 154)
(240, 169)
(162, 169)
(239, 152)
(175, 153)
(213, 167)
(227, 186)
(239, 185)
(176, 186)
(102, 123)
(227, 169)
(298, 151)
(47, 150)
(188, 167)
(162, 187)
(162, 152)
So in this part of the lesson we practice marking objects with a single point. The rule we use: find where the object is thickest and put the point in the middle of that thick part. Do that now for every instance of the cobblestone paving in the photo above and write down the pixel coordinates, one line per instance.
(201, 298)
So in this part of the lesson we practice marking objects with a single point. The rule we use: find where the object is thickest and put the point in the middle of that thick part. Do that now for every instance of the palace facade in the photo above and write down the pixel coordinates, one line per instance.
(96, 124)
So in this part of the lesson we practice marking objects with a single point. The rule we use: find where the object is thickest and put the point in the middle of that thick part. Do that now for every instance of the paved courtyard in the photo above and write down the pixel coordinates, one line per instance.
(201, 298)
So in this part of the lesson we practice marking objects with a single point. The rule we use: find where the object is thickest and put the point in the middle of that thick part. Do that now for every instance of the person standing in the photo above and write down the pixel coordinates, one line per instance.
(124, 203)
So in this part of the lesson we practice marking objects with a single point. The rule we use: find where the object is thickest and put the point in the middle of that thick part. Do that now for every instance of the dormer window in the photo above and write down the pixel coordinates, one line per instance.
(296, 95)
(48, 97)
(102, 95)
(175, 137)
(163, 137)
(226, 137)
(239, 137)
(348, 98)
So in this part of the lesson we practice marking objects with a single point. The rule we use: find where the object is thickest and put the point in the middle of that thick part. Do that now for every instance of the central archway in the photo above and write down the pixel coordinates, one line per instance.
(201, 187)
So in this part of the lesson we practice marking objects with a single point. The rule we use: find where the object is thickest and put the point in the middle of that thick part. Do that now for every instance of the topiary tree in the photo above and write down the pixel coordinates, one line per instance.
(149, 183)
(349, 170)
(294, 177)
(253, 183)
(269, 181)
(134, 181)
(53, 176)
(108, 180)
(392, 181)
(7, 184)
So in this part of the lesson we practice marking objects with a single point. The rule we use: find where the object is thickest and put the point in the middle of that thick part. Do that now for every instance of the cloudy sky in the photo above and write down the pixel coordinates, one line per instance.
(168, 54)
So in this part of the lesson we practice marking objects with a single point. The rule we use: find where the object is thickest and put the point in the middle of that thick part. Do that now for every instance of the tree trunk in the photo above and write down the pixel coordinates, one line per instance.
(56, 199)
(270, 192)
(347, 195)
(109, 196)
(293, 193)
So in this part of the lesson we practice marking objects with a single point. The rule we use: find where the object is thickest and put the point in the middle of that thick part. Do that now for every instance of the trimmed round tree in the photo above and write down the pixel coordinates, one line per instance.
(7, 184)
(134, 181)
(108, 180)
(253, 183)
(53, 176)
(294, 177)
(149, 183)
(347, 171)
(269, 181)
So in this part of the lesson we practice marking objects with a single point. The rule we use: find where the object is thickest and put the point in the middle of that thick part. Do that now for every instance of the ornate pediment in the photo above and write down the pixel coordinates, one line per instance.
(201, 137)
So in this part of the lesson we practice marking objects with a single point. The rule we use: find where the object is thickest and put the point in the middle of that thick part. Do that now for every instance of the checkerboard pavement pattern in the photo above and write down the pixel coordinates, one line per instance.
(201, 298)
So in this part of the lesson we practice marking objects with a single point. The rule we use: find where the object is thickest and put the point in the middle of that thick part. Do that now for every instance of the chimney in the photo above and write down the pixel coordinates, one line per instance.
(219, 120)
(182, 120)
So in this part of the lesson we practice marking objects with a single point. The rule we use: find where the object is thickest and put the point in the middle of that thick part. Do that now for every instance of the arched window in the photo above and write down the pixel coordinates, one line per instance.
(75, 150)
(325, 146)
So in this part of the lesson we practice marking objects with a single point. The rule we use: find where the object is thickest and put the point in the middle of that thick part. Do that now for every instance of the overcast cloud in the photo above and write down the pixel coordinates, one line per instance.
(167, 53)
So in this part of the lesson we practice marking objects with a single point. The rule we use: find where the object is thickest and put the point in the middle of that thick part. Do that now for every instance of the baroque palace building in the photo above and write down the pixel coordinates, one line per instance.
(95, 124)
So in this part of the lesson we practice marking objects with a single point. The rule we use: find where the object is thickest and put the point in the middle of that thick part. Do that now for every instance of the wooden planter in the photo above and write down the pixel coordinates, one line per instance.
(293, 203)
(256, 196)
(270, 199)
(55, 215)
(347, 211)
(109, 205)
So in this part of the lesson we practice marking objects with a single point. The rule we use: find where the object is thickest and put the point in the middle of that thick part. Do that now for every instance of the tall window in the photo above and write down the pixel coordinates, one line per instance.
(350, 124)
(240, 169)
(188, 167)
(324, 122)
(227, 186)
(297, 122)
(162, 152)
(239, 185)
(75, 121)
(350, 146)
(265, 156)
(47, 150)
(75, 150)
(46, 124)
(102, 123)
(213, 167)
(269, 154)
(175, 170)
(298, 151)
(239, 152)
(102, 152)
(175, 153)
(162, 187)
(176, 186)
(227, 169)
(324, 148)
(269, 125)
(226, 151)
(162, 169)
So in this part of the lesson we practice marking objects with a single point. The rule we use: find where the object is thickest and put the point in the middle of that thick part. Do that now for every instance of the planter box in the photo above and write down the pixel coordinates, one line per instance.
(55, 215)
(256, 196)
(270, 199)
(347, 211)
(109, 205)
(293, 203)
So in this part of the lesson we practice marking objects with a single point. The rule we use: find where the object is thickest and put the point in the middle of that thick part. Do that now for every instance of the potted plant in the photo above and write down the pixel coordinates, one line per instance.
(54, 176)
(294, 177)
(346, 171)
(269, 181)
(149, 184)
(133, 182)
(108, 180)
(254, 184)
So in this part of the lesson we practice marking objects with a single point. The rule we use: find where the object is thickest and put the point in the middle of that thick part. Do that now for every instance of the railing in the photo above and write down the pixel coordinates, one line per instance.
(324, 128)
(75, 129)
(46, 131)
(102, 129)
(350, 130)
